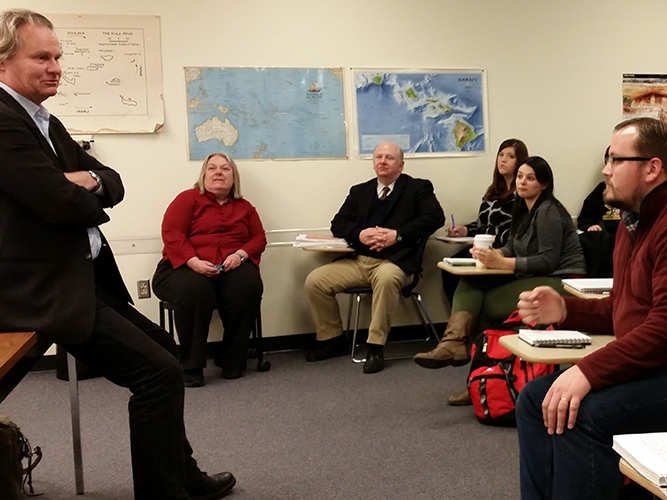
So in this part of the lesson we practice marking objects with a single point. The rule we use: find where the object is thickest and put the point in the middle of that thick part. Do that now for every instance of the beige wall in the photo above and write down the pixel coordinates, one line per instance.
(554, 80)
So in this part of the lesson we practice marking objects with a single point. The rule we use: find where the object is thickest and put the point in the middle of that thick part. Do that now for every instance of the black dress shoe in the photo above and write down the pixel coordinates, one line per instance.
(212, 487)
(326, 349)
(193, 377)
(374, 359)
(231, 374)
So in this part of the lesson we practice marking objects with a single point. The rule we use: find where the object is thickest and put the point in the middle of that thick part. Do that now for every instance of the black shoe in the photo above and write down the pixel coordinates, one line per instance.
(193, 377)
(374, 359)
(212, 487)
(232, 374)
(326, 349)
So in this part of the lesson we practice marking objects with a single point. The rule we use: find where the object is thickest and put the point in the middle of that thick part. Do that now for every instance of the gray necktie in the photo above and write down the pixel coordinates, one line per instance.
(384, 193)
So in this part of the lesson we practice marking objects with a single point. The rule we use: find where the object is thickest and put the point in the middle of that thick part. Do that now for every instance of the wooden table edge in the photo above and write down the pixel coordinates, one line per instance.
(10, 354)
(636, 476)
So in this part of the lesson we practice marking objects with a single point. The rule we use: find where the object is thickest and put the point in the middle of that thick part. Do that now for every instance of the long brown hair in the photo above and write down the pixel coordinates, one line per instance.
(498, 188)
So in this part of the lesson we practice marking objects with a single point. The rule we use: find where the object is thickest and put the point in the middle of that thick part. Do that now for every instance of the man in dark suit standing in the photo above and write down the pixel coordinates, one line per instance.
(384, 219)
(58, 275)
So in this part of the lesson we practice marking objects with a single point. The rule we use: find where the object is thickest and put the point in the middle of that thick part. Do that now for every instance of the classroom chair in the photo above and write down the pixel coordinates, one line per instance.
(256, 350)
(408, 292)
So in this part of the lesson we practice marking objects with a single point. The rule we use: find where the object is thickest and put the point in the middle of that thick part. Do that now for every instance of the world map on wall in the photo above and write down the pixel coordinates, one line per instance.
(265, 112)
(437, 113)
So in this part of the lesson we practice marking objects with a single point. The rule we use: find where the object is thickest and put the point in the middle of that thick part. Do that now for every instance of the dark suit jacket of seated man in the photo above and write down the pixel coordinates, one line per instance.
(58, 276)
(384, 219)
(566, 421)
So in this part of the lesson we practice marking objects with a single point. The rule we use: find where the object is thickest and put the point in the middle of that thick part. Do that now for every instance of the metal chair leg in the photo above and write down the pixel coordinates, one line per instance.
(76, 422)
(356, 329)
(425, 317)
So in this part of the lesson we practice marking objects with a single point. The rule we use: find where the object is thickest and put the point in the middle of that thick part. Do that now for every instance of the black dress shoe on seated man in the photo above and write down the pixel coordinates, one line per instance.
(211, 487)
(374, 359)
(193, 377)
(326, 349)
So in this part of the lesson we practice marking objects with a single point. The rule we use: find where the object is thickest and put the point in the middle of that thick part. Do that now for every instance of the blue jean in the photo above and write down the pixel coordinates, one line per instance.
(580, 463)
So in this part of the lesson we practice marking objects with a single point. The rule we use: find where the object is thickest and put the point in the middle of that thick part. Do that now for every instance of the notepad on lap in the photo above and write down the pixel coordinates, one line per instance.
(554, 338)
(590, 285)
(647, 453)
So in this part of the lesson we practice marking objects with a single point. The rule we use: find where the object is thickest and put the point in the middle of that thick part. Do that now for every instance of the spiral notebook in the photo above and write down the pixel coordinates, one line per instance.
(591, 285)
(554, 338)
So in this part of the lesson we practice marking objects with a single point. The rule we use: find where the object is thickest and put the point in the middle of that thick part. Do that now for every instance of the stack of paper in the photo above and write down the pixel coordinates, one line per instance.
(314, 241)
(647, 453)
(554, 338)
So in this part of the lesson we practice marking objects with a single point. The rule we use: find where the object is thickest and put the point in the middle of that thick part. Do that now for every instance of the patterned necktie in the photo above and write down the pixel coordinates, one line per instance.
(384, 193)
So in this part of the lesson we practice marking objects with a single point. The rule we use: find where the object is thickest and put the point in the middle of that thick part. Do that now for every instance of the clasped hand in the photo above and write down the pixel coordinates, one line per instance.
(490, 257)
(378, 238)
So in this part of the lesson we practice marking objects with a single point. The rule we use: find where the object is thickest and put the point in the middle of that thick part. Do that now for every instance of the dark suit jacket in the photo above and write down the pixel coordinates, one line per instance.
(414, 212)
(47, 276)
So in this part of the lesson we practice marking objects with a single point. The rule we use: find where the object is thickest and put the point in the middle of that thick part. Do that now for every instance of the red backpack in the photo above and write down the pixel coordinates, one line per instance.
(497, 376)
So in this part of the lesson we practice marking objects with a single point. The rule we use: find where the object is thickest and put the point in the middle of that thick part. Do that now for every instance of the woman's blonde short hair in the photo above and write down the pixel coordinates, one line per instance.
(235, 192)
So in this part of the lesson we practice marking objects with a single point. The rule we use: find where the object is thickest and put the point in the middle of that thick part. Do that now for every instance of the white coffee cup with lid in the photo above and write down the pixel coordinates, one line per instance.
(483, 241)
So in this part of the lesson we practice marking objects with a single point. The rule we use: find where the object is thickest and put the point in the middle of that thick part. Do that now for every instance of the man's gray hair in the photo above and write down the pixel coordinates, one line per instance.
(10, 22)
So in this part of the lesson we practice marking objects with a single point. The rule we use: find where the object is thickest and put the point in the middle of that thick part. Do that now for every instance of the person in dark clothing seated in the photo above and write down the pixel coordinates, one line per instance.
(599, 222)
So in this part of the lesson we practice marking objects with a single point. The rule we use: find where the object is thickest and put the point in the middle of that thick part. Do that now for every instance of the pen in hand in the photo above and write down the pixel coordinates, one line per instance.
(453, 223)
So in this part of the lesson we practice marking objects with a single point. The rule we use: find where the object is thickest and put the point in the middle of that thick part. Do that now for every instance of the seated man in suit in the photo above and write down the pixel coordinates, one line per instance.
(58, 277)
(384, 219)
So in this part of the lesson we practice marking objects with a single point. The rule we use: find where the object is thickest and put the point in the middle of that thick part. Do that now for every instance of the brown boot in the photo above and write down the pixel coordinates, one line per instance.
(460, 398)
(453, 347)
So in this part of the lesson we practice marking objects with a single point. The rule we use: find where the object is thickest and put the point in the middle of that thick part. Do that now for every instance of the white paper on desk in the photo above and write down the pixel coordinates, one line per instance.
(455, 261)
(314, 241)
(647, 453)
(455, 239)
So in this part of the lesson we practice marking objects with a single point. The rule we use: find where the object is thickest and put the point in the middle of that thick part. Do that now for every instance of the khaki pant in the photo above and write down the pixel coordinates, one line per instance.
(324, 283)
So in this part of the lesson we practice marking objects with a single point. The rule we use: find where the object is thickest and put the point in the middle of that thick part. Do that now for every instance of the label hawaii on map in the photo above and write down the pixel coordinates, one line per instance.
(266, 112)
(435, 112)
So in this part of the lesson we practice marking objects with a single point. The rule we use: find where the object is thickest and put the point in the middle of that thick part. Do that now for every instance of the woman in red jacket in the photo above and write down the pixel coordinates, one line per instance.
(213, 240)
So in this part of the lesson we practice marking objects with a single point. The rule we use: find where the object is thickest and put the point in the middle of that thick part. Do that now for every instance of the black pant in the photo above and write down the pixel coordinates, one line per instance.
(237, 295)
(132, 351)
(451, 281)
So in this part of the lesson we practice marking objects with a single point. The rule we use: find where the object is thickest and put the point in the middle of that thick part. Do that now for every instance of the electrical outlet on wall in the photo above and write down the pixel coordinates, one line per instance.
(144, 289)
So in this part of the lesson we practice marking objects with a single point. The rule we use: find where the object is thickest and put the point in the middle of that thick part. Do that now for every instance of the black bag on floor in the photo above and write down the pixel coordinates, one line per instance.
(14, 449)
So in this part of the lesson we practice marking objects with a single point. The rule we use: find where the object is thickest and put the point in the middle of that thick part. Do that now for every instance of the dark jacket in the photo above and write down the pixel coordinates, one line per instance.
(47, 278)
(414, 212)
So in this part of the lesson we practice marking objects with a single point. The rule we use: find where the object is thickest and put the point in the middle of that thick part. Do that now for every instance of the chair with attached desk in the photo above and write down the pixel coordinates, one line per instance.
(19, 351)
(256, 350)
(408, 292)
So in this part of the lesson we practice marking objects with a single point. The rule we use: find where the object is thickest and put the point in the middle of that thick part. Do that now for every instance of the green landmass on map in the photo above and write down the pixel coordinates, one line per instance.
(378, 80)
(411, 93)
(463, 134)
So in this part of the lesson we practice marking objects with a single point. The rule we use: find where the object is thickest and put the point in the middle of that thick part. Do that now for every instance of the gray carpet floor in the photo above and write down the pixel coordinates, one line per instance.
(302, 431)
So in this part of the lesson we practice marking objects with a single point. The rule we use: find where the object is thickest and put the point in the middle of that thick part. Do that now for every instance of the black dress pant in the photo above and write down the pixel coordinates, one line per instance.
(132, 351)
(237, 295)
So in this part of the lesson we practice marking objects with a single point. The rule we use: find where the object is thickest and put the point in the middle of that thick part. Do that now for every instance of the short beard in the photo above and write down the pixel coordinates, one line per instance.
(621, 204)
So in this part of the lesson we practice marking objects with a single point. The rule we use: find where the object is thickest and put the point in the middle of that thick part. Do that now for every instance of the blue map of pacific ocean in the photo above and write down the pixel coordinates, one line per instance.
(422, 112)
(266, 113)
